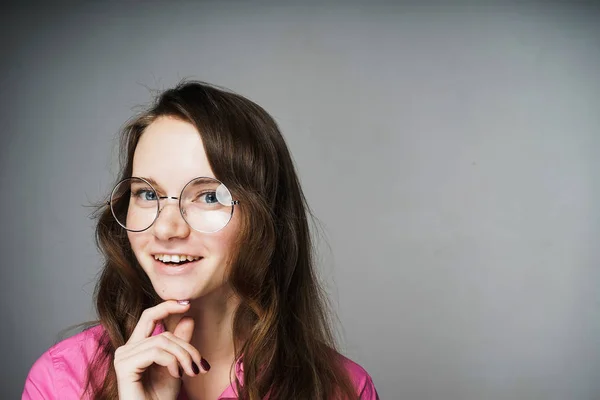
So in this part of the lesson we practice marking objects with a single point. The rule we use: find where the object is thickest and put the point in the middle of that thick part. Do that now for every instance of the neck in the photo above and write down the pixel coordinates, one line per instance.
(213, 325)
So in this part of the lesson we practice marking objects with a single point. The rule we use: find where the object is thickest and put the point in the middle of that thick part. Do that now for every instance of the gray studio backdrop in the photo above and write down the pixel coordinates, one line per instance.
(449, 151)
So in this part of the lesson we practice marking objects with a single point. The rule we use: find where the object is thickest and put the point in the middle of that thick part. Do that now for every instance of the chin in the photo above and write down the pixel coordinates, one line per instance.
(179, 294)
(183, 289)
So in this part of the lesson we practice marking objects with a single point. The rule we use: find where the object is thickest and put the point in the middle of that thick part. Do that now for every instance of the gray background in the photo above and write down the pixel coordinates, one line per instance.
(449, 151)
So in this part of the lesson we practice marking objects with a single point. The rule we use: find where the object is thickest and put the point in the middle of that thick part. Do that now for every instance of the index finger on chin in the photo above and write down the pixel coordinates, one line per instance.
(151, 316)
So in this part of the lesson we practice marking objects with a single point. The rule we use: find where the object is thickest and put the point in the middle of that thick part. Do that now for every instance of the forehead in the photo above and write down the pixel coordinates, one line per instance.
(171, 152)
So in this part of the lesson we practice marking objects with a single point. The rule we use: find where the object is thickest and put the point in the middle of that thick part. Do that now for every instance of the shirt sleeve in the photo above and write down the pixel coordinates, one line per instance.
(40, 380)
(368, 391)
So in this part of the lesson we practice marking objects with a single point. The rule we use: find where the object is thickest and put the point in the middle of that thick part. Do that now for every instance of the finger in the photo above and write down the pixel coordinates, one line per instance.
(183, 335)
(152, 315)
(184, 329)
(185, 352)
(136, 364)
(193, 352)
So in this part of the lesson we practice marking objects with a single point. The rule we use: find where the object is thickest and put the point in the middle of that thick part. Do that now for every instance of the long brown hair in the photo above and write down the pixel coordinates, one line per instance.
(289, 349)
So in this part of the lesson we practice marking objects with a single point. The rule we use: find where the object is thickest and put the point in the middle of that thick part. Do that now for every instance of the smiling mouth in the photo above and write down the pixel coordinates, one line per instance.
(176, 260)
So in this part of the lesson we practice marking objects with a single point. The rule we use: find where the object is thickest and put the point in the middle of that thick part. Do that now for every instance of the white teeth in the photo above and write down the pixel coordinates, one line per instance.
(175, 258)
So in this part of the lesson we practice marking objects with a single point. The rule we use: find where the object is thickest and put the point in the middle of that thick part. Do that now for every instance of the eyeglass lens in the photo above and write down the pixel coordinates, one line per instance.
(205, 204)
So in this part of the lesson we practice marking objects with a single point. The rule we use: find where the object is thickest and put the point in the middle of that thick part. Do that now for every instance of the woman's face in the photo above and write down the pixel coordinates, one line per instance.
(170, 153)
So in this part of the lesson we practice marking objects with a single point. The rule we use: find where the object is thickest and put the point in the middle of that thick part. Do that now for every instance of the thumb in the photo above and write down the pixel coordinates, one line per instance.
(184, 329)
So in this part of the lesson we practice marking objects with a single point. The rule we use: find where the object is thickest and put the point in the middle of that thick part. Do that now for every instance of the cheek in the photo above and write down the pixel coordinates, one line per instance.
(137, 241)
(222, 242)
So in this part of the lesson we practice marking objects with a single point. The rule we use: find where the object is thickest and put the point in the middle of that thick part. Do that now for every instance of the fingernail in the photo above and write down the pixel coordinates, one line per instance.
(180, 372)
(183, 302)
(195, 368)
(205, 364)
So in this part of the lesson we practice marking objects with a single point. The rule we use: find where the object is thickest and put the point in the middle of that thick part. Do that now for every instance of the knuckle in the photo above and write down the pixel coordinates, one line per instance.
(154, 352)
(161, 340)
(119, 350)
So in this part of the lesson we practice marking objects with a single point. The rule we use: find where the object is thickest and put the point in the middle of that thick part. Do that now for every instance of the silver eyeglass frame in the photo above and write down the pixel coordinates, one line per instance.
(159, 208)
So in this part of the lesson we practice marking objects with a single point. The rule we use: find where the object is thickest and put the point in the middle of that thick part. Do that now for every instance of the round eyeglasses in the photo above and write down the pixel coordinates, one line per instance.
(205, 204)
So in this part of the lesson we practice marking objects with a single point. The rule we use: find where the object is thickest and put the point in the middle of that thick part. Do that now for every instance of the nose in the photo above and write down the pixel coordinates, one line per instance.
(169, 223)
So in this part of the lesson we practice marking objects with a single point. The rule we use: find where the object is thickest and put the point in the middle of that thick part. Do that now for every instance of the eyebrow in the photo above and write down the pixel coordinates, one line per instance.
(151, 181)
(157, 185)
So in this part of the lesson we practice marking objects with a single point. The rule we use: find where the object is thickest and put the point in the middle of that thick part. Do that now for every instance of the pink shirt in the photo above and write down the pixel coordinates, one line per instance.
(61, 371)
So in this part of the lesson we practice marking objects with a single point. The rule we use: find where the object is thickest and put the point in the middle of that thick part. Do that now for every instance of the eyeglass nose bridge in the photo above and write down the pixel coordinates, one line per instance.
(162, 204)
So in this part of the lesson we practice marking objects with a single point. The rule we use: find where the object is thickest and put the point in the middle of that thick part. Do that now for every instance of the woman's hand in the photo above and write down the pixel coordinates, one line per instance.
(160, 359)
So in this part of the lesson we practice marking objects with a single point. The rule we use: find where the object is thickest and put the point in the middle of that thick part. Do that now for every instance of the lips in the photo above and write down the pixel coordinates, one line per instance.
(177, 263)
(176, 268)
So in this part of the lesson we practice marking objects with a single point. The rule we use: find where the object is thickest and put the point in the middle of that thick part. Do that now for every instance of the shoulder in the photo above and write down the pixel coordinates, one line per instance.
(362, 380)
(63, 367)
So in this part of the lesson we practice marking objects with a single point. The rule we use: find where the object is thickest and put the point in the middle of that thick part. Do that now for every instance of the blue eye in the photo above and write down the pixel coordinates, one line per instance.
(145, 194)
(210, 197)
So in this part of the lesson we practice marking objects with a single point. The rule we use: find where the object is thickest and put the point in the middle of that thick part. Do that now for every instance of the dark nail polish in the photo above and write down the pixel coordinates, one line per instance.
(205, 364)
(180, 372)
(195, 368)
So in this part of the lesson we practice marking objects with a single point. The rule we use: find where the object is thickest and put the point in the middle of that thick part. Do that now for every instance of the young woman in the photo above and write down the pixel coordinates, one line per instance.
(208, 289)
